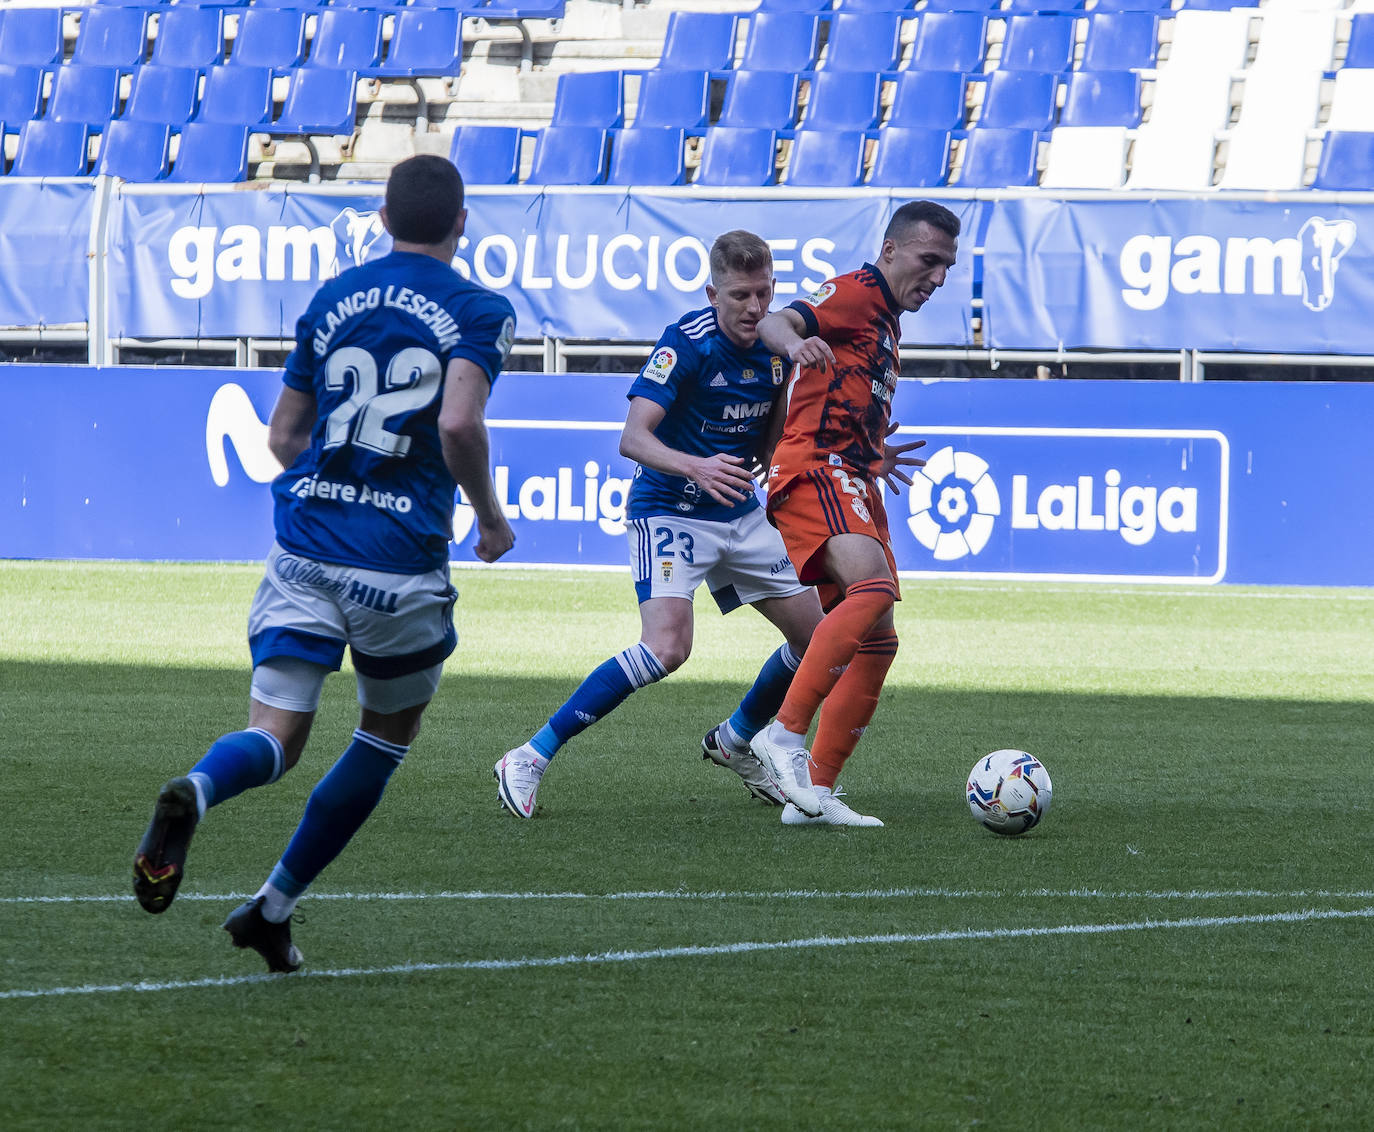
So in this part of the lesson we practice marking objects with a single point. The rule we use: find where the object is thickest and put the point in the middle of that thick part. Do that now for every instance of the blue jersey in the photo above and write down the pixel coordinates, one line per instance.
(372, 489)
(716, 397)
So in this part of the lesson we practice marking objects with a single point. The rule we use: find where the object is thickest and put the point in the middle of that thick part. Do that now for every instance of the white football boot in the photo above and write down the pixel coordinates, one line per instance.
(517, 779)
(789, 771)
(742, 761)
(833, 811)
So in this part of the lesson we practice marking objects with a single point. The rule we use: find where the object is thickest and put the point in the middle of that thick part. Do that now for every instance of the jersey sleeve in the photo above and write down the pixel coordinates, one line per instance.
(673, 358)
(488, 334)
(300, 363)
(824, 309)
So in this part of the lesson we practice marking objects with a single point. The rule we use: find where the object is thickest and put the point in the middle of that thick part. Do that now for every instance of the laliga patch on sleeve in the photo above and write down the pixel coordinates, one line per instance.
(661, 365)
(816, 298)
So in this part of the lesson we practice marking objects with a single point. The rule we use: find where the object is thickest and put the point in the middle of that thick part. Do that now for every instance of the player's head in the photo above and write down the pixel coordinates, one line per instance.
(741, 284)
(919, 248)
(424, 202)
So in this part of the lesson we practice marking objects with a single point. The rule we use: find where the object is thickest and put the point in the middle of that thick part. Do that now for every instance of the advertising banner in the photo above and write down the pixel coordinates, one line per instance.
(45, 237)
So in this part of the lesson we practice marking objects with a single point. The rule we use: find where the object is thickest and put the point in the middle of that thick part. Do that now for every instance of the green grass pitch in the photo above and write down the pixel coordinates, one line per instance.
(1183, 943)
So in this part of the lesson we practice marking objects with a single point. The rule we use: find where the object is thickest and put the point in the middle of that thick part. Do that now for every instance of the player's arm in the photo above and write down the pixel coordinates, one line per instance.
(724, 478)
(288, 430)
(785, 332)
(467, 454)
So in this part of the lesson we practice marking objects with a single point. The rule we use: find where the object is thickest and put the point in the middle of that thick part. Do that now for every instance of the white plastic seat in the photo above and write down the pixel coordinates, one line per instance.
(1210, 41)
(1352, 100)
(1086, 157)
(1295, 41)
(1166, 158)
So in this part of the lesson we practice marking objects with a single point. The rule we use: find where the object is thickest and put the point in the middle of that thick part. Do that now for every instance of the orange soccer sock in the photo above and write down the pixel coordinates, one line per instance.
(833, 646)
(848, 712)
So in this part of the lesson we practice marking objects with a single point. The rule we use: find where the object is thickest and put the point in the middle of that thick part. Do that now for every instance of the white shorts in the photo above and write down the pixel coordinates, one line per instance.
(396, 625)
(741, 562)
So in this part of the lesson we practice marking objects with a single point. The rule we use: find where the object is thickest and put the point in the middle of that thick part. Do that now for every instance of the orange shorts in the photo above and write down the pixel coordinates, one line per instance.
(813, 506)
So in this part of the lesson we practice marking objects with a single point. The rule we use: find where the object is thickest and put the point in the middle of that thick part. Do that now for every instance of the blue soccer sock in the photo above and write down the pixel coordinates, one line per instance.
(338, 806)
(604, 690)
(762, 701)
(234, 763)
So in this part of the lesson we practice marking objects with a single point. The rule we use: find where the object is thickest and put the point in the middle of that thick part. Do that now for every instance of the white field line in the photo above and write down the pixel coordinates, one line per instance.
(710, 950)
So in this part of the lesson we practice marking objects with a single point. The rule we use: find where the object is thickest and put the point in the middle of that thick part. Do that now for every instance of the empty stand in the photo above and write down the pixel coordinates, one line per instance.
(1117, 41)
(999, 158)
(930, 99)
(1019, 100)
(236, 96)
(189, 37)
(424, 42)
(269, 37)
(49, 148)
(647, 155)
(1359, 51)
(843, 100)
(781, 41)
(679, 99)
(1086, 157)
(1038, 43)
(911, 157)
(487, 155)
(21, 93)
(950, 41)
(831, 159)
(1166, 158)
(347, 39)
(904, 6)
(738, 157)
(134, 151)
(162, 94)
(319, 100)
(1102, 98)
(31, 36)
(84, 93)
(590, 98)
(1347, 161)
(760, 99)
(112, 37)
(569, 155)
(1352, 100)
(211, 153)
(699, 41)
(863, 41)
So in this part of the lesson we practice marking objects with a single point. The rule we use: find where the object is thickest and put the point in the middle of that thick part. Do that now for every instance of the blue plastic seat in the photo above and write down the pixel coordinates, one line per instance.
(569, 155)
(647, 155)
(1217, 5)
(1022, 100)
(863, 41)
(674, 98)
(1039, 7)
(162, 94)
(319, 100)
(134, 151)
(1038, 43)
(21, 91)
(521, 9)
(1360, 50)
(931, 99)
(875, 5)
(487, 155)
(211, 153)
(1102, 98)
(189, 37)
(112, 37)
(31, 36)
(781, 41)
(999, 158)
(425, 42)
(827, 159)
(1160, 6)
(84, 93)
(760, 100)
(950, 41)
(269, 37)
(1347, 161)
(346, 39)
(51, 149)
(962, 5)
(699, 41)
(590, 98)
(911, 157)
(297, 5)
(793, 6)
(1118, 41)
(741, 157)
(236, 96)
(843, 100)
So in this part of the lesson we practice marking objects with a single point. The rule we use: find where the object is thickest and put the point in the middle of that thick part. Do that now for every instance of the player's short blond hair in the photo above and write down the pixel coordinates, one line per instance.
(739, 251)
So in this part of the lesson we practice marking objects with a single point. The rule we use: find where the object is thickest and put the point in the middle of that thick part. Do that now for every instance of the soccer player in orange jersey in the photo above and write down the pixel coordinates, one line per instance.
(823, 496)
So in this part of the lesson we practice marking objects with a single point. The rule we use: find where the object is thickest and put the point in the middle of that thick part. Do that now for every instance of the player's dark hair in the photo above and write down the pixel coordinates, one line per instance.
(739, 251)
(921, 212)
(424, 196)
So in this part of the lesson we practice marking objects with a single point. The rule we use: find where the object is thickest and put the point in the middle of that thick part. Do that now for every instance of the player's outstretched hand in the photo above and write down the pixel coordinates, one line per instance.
(724, 478)
(493, 539)
(814, 352)
(895, 458)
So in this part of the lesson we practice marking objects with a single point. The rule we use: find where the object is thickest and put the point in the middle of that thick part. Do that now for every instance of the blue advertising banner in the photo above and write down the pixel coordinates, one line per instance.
(1163, 274)
(45, 237)
(1083, 480)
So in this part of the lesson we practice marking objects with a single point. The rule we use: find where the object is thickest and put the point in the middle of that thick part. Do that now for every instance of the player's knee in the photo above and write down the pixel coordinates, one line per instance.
(877, 595)
(670, 651)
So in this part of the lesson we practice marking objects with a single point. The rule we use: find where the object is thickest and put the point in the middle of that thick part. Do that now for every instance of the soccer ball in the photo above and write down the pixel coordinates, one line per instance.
(1009, 791)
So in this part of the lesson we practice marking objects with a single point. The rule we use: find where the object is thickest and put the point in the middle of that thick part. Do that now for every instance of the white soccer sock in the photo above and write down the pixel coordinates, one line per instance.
(276, 905)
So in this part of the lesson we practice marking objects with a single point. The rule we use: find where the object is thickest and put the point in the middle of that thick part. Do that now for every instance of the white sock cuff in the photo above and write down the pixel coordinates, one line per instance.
(640, 666)
(278, 755)
(789, 658)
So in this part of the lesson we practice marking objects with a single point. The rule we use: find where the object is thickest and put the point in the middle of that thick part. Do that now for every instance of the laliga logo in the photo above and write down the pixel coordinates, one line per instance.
(953, 503)
(359, 235)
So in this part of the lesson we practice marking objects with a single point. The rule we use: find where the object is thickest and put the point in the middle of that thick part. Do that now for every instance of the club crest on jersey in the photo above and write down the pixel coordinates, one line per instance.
(746, 376)
(661, 365)
(665, 569)
(777, 370)
(859, 509)
(816, 298)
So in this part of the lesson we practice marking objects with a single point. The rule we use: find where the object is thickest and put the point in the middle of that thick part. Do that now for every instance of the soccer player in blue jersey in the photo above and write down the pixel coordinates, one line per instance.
(381, 415)
(697, 424)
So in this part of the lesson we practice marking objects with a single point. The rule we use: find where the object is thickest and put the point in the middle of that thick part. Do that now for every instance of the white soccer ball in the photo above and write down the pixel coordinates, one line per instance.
(1009, 791)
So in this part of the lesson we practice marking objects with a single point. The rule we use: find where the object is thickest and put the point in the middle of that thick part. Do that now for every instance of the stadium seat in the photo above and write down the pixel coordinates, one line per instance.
(295, 5)
(1038, 43)
(31, 36)
(21, 92)
(1119, 41)
(1352, 100)
(51, 149)
(83, 93)
(827, 159)
(793, 6)
(162, 94)
(1209, 41)
(863, 41)
(269, 37)
(211, 153)
(425, 42)
(134, 151)
(346, 39)
(1102, 98)
(1359, 51)
(781, 41)
(590, 98)
(999, 158)
(112, 37)
(875, 6)
(962, 5)
(1086, 157)
(1216, 5)
(931, 99)
(843, 100)
(950, 41)
(674, 98)
(699, 41)
(189, 37)
(1019, 100)
(1133, 6)
(1267, 148)
(1347, 161)
(320, 100)
(569, 155)
(760, 100)
(910, 157)
(738, 157)
(519, 9)
(1295, 41)
(236, 96)
(1169, 158)
(487, 155)
(647, 155)
(1188, 101)
(1042, 7)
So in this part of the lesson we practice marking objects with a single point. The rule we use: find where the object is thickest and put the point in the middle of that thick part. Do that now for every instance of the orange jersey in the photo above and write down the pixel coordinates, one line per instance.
(839, 416)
